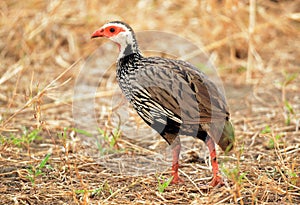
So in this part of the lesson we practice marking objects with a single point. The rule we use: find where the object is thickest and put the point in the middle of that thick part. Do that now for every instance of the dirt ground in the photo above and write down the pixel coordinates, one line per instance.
(51, 153)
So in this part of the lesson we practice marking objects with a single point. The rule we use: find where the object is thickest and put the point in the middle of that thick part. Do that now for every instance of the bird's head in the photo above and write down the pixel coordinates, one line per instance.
(118, 32)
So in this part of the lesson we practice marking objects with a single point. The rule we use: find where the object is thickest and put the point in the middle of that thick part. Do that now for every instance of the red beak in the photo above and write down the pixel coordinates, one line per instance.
(98, 33)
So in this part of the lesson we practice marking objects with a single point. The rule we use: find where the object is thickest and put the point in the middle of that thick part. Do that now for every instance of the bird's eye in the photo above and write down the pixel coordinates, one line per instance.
(112, 30)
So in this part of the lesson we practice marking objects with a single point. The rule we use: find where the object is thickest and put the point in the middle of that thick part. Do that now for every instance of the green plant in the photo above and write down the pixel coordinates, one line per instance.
(274, 141)
(29, 137)
(110, 141)
(92, 191)
(266, 130)
(288, 79)
(34, 172)
(241, 69)
(104, 188)
(288, 111)
(97, 191)
(63, 135)
(235, 174)
(24, 140)
(164, 184)
(293, 178)
(83, 132)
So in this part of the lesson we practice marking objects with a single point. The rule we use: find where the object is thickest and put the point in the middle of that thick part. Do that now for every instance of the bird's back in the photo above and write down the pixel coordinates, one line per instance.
(174, 97)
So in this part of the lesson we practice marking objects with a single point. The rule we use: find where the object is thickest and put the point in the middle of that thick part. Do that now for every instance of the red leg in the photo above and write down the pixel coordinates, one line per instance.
(217, 179)
(176, 146)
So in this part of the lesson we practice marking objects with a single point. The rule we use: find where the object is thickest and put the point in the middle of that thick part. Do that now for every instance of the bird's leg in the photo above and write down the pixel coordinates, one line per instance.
(217, 179)
(176, 146)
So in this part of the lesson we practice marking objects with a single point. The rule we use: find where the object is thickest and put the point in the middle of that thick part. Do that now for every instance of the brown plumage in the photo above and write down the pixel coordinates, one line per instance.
(172, 96)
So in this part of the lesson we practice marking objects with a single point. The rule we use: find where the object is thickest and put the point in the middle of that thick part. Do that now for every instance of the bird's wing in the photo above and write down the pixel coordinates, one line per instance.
(177, 90)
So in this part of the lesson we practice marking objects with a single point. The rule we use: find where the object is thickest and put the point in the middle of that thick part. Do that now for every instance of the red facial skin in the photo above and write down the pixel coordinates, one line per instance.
(107, 32)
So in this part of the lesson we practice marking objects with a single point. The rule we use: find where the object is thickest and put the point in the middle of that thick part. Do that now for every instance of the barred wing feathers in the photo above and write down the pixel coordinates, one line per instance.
(178, 90)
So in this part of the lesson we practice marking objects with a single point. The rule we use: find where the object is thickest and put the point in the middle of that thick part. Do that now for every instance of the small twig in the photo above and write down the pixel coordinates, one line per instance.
(253, 139)
(223, 200)
(121, 189)
(250, 44)
(139, 148)
(41, 93)
(292, 149)
(13, 70)
(195, 185)
(160, 196)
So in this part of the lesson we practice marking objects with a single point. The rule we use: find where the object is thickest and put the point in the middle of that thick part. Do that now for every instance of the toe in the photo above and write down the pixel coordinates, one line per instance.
(217, 180)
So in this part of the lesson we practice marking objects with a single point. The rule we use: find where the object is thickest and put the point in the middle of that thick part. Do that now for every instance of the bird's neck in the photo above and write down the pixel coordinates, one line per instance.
(127, 50)
(128, 46)
(128, 62)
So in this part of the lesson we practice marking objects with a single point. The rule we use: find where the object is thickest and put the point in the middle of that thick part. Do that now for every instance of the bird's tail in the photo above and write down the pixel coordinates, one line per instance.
(226, 136)
(227, 139)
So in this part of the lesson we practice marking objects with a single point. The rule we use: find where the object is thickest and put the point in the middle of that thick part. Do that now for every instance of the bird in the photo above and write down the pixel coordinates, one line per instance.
(172, 96)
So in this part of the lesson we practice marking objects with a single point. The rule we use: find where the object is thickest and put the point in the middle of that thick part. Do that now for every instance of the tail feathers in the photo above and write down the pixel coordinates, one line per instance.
(223, 135)
(227, 139)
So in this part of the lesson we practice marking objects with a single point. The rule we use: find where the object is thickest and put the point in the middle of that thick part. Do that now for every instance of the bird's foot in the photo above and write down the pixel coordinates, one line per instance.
(216, 180)
(176, 179)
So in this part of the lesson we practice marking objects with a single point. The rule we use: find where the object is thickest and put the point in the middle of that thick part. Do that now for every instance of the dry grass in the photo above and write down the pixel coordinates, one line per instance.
(42, 47)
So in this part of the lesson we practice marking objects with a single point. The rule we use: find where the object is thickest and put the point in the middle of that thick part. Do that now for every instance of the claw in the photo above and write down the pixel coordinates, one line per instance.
(216, 180)
(176, 179)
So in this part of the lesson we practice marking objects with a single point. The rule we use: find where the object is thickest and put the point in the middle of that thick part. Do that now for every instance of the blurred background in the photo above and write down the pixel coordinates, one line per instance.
(40, 40)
